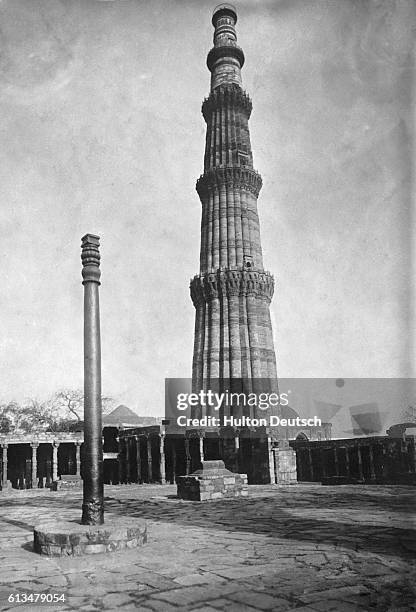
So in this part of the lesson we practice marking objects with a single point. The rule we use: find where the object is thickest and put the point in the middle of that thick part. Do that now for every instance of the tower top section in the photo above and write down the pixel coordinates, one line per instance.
(225, 59)
(224, 9)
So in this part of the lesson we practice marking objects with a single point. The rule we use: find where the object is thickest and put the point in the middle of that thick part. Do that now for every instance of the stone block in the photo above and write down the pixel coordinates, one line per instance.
(213, 481)
(228, 481)
(56, 538)
(92, 549)
(66, 482)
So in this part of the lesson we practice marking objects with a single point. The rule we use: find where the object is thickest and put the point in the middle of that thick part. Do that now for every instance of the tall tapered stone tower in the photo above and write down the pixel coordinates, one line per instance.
(232, 292)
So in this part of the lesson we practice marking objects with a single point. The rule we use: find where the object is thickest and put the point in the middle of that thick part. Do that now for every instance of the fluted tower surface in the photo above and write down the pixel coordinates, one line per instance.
(232, 292)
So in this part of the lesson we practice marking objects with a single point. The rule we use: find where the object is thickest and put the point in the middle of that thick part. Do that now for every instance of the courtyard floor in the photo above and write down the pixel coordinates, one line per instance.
(305, 547)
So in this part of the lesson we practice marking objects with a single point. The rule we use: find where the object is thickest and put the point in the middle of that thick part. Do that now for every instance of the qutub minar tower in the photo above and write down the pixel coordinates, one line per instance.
(232, 292)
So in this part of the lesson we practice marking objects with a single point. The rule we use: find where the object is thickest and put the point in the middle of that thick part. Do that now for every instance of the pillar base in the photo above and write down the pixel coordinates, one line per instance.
(62, 539)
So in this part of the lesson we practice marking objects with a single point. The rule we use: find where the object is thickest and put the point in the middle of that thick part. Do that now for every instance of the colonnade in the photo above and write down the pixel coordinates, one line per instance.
(128, 456)
(174, 456)
(372, 459)
(34, 458)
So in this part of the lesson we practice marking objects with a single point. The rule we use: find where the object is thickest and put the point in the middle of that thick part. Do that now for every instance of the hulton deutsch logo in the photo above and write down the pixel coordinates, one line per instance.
(238, 403)
(339, 407)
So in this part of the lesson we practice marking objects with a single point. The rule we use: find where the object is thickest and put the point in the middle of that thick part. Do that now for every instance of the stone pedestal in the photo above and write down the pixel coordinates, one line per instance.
(62, 539)
(285, 463)
(212, 482)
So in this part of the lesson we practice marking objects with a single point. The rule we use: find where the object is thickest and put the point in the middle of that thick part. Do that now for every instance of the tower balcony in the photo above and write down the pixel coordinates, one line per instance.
(229, 95)
(229, 176)
(231, 281)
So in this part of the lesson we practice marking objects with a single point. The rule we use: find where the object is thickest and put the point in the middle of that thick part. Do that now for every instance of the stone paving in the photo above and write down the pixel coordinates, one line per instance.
(305, 547)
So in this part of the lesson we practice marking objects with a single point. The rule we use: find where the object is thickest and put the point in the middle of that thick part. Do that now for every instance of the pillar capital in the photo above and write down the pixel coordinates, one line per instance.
(56, 444)
(34, 445)
(90, 257)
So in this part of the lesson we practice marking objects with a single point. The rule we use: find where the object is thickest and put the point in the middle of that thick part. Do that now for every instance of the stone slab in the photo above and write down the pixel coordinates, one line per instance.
(63, 538)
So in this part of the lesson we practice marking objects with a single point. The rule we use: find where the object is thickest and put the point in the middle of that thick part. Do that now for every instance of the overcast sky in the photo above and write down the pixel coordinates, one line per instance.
(101, 132)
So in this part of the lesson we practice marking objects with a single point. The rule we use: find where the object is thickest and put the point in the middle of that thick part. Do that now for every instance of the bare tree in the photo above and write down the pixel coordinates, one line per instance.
(11, 415)
(35, 415)
(63, 412)
(68, 404)
(32, 415)
(6, 418)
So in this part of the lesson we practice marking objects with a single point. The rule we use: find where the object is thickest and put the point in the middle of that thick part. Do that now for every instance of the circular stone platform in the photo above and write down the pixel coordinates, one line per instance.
(64, 538)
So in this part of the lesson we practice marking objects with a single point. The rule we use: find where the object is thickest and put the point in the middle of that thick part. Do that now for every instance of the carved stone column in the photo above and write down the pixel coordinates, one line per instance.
(173, 462)
(201, 446)
(188, 457)
(237, 450)
(347, 460)
(336, 461)
(310, 464)
(78, 457)
(372, 471)
(120, 460)
(55, 447)
(162, 458)
(138, 460)
(272, 471)
(93, 488)
(34, 446)
(149, 459)
(128, 466)
(323, 466)
(360, 463)
(4, 475)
